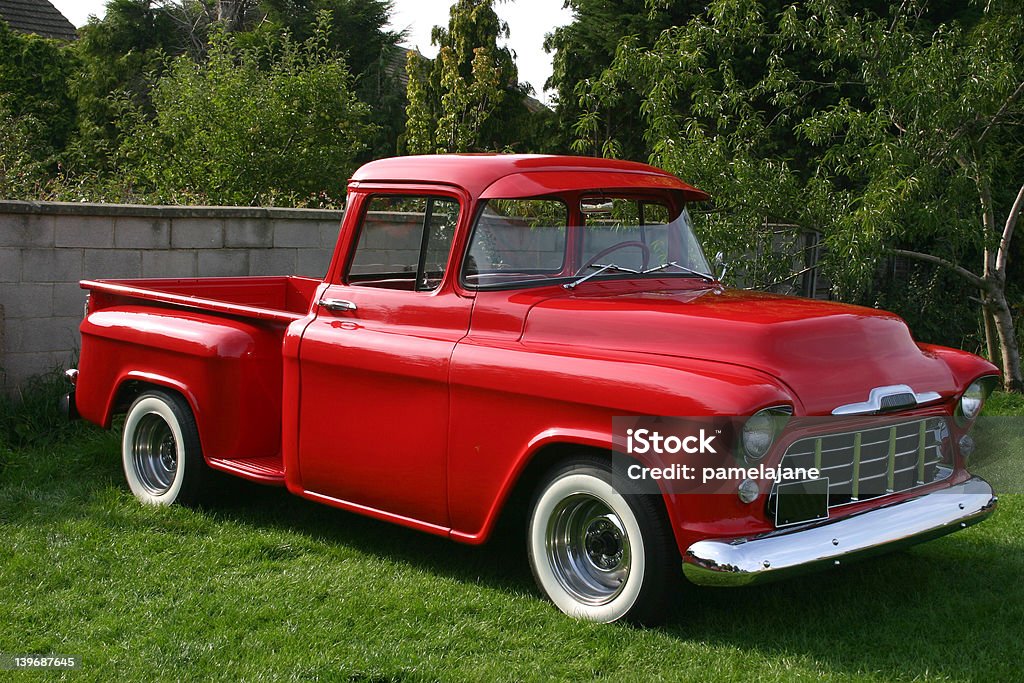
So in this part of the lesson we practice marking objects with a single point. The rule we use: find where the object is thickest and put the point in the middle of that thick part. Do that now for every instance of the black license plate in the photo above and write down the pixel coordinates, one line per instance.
(797, 502)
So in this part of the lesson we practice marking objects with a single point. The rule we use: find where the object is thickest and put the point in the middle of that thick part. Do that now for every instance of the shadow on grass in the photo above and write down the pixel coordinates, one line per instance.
(500, 563)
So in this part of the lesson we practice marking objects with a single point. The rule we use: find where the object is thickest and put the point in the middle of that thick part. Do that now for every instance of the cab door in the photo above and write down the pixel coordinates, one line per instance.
(373, 425)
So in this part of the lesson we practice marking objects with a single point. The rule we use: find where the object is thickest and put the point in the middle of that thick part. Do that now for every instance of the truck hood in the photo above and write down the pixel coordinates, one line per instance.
(829, 354)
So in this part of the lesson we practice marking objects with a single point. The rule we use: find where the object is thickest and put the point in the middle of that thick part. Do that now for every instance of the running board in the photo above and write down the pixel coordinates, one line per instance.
(266, 470)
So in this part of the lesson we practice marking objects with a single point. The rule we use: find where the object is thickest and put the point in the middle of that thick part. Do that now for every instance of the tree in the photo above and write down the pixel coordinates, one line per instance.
(126, 51)
(250, 126)
(119, 57)
(469, 98)
(34, 75)
(882, 129)
(584, 48)
(358, 33)
(358, 27)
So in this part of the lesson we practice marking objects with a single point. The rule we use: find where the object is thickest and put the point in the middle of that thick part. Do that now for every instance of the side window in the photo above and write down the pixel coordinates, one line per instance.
(514, 238)
(404, 242)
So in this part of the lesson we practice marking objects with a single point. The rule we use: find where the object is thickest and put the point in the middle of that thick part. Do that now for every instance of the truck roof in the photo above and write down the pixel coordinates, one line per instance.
(523, 175)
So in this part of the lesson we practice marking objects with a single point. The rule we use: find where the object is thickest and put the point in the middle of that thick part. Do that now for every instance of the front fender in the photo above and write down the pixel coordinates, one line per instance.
(510, 402)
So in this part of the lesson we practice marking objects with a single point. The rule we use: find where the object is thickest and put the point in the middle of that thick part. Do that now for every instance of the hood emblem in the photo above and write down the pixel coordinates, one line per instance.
(882, 399)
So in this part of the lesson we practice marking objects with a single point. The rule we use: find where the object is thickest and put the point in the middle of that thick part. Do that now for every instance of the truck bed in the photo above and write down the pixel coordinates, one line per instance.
(279, 298)
(215, 340)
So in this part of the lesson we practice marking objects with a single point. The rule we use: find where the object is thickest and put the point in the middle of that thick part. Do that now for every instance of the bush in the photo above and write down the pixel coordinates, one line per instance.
(34, 75)
(21, 173)
(256, 124)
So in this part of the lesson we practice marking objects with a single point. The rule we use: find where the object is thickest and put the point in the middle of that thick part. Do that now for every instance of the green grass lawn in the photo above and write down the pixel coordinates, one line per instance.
(268, 586)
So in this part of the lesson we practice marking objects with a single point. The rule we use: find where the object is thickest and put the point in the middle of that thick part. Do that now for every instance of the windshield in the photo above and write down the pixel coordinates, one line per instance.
(529, 242)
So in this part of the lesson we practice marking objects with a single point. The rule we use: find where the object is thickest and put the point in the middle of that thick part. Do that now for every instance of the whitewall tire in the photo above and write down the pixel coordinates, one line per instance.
(597, 554)
(160, 451)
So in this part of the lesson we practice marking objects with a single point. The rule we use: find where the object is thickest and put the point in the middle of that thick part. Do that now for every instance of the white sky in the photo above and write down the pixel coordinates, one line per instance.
(528, 21)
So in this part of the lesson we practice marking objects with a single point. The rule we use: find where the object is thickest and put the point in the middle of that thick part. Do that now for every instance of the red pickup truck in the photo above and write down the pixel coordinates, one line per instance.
(485, 323)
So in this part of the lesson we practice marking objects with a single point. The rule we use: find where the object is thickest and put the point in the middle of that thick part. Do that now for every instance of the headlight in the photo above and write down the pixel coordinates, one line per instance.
(972, 400)
(760, 430)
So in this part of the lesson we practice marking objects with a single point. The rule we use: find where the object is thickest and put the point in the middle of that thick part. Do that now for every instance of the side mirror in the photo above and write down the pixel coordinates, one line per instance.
(720, 263)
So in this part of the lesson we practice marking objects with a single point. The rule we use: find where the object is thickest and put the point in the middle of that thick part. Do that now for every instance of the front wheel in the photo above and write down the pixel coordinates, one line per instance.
(597, 554)
(160, 450)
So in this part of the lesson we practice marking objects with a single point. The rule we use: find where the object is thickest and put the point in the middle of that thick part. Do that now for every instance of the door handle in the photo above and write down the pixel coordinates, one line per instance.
(337, 305)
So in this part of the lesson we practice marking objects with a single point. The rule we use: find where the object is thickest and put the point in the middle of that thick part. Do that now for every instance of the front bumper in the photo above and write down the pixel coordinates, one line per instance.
(779, 554)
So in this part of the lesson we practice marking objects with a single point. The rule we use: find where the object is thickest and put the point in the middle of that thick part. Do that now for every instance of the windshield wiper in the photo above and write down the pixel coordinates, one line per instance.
(600, 269)
(691, 271)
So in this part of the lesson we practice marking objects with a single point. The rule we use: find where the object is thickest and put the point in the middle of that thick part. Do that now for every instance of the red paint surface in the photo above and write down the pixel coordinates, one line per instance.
(423, 408)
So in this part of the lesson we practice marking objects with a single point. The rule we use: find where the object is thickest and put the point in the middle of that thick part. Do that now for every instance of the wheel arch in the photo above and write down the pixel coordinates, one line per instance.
(130, 385)
(134, 383)
(543, 453)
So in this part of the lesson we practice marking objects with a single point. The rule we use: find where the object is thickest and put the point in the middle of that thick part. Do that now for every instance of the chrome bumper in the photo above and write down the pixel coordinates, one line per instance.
(779, 554)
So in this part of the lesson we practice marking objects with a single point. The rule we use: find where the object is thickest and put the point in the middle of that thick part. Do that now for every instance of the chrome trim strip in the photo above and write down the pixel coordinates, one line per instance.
(775, 555)
(874, 402)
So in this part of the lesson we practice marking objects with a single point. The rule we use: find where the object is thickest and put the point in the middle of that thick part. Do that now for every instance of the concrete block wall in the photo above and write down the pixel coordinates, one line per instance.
(47, 247)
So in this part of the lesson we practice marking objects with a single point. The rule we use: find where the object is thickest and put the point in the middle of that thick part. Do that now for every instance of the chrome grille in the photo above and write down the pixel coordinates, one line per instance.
(875, 461)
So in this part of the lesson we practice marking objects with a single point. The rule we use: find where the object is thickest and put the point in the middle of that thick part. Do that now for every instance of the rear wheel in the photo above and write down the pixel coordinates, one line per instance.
(597, 554)
(163, 461)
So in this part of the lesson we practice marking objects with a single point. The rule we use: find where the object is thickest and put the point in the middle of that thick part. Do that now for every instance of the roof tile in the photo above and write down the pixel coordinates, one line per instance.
(37, 16)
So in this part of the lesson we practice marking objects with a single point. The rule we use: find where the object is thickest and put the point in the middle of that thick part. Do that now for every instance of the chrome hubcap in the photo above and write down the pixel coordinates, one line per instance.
(588, 549)
(155, 453)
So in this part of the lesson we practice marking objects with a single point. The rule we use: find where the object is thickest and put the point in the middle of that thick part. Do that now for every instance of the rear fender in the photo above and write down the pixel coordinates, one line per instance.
(229, 371)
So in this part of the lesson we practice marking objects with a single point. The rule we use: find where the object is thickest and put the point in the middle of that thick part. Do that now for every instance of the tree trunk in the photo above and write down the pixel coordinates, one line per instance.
(232, 14)
(991, 336)
(1013, 380)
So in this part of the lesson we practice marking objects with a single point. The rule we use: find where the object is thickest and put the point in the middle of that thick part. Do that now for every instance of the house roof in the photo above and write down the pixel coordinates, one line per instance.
(523, 175)
(37, 16)
(394, 64)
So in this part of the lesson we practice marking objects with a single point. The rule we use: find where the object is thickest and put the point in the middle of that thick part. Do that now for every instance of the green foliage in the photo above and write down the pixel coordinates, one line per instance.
(21, 139)
(120, 55)
(420, 127)
(359, 34)
(469, 98)
(123, 54)
(466, 104)
(709, 111)
(877, 130)
(249, 126)
(584, 48)
(937, 305)
(357, 31)
(34, 75)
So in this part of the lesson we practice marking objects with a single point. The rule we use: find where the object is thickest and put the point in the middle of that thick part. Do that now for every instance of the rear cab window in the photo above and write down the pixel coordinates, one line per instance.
(404, 242)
